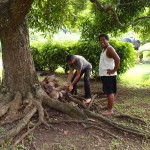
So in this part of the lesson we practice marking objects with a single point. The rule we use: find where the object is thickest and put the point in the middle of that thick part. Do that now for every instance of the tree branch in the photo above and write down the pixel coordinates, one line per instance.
(111, 9)
(13, 12)
(19, 9)
(138, 20)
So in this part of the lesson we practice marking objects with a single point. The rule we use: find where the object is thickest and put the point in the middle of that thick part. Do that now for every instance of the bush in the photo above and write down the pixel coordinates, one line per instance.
(91, 51)
(49, 56)
(127, 55)
(52, 55)
(38, 59)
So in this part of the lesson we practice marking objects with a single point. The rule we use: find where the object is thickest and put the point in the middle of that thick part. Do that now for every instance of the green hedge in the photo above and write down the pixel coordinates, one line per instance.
(127, 55)
(50, 56)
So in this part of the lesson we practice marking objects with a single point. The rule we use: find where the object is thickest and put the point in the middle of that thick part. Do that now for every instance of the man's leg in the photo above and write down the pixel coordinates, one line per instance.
(74, 90)
(87, 88)
(109, 88)
(110, 104)
(111, 99)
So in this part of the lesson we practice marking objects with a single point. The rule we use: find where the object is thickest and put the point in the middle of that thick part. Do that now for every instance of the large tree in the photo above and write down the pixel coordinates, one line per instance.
(20, 87)
(21, 94)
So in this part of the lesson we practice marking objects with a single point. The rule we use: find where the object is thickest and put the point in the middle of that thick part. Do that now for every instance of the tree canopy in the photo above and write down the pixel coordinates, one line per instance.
(91, 16)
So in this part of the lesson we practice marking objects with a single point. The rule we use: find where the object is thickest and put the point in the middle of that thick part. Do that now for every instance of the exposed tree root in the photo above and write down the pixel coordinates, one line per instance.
(14, 106)
(78, 97)
(133, 119)
(21, 125)
(77, 101)
(34, 146)
(95, 136)
(101, 129)
(31, 105)
(4, 109)
(117, 126)
(66, 108)
(75, 112)
(16, 118)
(70, 121)
(90, 104)
(26, 134)
(41, 112)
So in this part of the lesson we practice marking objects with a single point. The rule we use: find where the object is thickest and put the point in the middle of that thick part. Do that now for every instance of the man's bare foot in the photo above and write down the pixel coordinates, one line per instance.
(87, 101)
(107, 112)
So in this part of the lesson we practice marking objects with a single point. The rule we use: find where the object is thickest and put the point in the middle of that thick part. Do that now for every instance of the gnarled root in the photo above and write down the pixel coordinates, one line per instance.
(33, 104)
(12, 109)
(21, 125)
(117, 126)
(30, 105)
(66, 108)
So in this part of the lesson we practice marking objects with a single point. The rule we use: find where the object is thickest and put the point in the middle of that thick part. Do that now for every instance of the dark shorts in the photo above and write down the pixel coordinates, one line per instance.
(109, 84)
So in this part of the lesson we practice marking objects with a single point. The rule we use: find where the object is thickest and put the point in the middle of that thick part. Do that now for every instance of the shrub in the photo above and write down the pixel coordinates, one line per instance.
(38, 59)
(52, 55)
(127, 55)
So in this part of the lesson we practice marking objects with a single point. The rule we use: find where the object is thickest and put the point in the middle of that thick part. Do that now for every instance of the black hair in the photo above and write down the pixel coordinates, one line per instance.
(103, 35)
(69, 57)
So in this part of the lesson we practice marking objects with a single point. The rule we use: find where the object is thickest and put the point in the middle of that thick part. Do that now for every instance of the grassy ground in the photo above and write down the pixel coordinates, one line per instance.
(132, 100)
(137, 76)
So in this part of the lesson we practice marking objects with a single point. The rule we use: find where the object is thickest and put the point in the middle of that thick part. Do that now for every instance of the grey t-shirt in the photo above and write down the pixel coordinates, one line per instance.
(80, 63)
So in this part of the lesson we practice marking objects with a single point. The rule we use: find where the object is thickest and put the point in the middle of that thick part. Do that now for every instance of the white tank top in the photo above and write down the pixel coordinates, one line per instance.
(106, 63)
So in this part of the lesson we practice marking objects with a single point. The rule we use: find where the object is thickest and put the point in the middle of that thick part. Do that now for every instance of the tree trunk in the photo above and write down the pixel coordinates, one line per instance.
(18, 70)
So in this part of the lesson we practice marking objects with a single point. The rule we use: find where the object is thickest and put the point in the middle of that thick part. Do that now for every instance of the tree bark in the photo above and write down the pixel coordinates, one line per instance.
(18, 70)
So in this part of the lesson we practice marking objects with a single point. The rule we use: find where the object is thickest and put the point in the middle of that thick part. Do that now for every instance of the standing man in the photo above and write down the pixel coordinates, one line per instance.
(82, 66)
(108, 66)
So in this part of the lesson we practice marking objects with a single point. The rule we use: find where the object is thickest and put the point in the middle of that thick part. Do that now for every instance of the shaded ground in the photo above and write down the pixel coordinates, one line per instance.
(73, 136)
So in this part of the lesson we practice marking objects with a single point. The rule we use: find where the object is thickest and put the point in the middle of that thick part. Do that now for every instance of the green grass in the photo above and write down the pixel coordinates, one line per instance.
(135, 101)
(139, 75)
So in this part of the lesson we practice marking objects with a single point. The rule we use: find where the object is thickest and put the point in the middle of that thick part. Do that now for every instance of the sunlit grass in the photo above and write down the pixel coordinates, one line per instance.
(139, 75)
(60, 70)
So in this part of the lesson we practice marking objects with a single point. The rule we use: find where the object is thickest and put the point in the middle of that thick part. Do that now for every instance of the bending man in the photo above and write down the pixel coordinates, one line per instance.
(82, 66)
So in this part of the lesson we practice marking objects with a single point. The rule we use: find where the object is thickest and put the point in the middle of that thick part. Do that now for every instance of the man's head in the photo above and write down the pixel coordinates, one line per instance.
(104, 40)
(70, 59)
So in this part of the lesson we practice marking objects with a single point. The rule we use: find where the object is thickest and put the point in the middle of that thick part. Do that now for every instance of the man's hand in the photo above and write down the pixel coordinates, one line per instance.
(70, 87)
(66, 84)
(110, 71)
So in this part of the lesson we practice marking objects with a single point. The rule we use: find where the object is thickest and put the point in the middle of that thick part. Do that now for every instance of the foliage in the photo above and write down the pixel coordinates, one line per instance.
(127, 55)
(100, 21)
(146, 77)
(53, 15)
(37, 57)
(49, 56)
(143, 26)
(52, 55)
(89, 50)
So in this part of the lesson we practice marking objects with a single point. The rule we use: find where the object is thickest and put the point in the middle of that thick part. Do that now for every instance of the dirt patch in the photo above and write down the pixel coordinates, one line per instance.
(75, 136)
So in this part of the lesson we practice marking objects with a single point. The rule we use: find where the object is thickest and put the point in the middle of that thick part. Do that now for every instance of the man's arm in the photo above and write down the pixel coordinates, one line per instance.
(111, 53)
(76, 77)
(69, 76)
